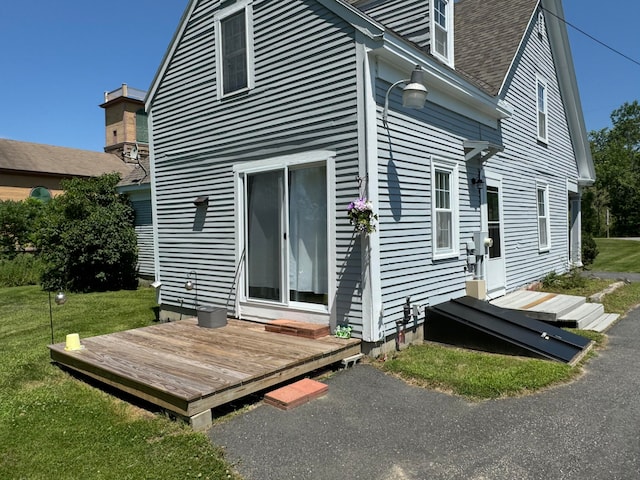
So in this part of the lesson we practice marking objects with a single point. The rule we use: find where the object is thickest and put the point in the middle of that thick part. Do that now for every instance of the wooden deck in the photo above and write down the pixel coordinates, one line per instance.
(189, 370)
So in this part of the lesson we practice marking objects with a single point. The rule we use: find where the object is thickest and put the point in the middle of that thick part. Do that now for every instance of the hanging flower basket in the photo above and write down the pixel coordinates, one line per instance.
(361, 215)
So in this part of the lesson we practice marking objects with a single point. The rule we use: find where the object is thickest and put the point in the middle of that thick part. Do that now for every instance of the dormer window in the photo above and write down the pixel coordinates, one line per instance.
(442, 30)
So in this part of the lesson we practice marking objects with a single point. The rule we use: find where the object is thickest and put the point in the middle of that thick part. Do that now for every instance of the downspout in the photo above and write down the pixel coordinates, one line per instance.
(372, 323)
(154, 210)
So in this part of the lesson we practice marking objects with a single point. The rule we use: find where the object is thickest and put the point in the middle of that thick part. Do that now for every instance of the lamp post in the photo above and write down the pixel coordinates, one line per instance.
(60, 298)
(191, 285)
(414, 95)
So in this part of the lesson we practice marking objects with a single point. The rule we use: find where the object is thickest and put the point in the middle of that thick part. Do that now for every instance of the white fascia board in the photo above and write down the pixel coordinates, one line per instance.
(563, 61)
(133, 189)
(358, 19)
(446, 87)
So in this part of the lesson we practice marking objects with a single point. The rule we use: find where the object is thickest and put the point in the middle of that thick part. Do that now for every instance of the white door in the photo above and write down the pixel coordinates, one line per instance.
(494, 224)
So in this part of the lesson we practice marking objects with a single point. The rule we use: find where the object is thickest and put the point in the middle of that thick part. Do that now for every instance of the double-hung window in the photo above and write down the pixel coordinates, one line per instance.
(544, 238)
(234, 48)
(442, 30)
(542, 110)
(444, 201)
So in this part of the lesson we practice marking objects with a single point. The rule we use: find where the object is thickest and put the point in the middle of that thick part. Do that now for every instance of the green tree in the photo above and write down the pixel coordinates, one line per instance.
(18, 222)
(616, 155)
(87, 240)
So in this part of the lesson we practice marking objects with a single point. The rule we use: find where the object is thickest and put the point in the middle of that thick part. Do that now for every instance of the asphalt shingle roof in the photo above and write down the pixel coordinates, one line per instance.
(487, 36)
(51, 160)
(139, 174)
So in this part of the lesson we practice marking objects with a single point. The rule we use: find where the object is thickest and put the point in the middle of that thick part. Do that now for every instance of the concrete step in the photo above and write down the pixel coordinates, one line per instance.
(602, 323)
(515, 300)
(583, 315)
(548, 307)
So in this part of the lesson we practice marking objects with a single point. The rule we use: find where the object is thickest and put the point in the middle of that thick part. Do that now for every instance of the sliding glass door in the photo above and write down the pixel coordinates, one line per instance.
(264, 227)
(286, 235)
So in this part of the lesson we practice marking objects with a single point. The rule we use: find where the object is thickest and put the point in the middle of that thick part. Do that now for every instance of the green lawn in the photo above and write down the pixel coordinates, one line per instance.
(479, 375)
(54, 426)
(617, 256)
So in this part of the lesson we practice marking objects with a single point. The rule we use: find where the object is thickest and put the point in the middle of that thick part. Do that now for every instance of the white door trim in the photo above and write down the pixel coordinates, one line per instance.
(495, 272)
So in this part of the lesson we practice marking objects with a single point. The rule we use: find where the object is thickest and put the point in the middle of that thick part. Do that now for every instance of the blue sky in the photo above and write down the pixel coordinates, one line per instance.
(59, 57)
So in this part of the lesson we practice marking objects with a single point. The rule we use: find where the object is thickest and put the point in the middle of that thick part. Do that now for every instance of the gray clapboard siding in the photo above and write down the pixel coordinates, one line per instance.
(143, 225)
(404, 168)
(409, 18)
(304, 99)
(525, 160)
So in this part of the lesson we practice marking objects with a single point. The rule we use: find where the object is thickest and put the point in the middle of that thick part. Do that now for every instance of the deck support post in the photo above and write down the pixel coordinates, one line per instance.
(201, 421)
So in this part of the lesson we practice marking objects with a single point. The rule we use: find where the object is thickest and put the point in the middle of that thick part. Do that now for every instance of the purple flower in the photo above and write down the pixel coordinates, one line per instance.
(360, 204)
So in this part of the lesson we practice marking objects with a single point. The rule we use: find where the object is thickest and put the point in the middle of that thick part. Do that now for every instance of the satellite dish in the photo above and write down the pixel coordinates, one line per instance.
(133, 153)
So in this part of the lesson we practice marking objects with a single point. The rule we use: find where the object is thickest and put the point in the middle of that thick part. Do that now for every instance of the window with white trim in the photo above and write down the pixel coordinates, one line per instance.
(234, 48)
(542, 110)
(442, 30)
(444, 201)
(544, 224)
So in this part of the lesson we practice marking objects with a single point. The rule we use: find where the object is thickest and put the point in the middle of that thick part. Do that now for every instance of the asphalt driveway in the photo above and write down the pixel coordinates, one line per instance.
(375, 427)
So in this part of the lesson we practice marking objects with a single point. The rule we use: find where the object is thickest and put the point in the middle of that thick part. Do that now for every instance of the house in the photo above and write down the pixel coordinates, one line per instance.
(35, 170)
(137, 186)
(268, 118)
(126, 135)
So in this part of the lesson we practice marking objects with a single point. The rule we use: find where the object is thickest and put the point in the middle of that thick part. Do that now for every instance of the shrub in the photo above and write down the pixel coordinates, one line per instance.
(568, 281)
(87, 240)
(18, 222)
(23, 269)
(589, 249)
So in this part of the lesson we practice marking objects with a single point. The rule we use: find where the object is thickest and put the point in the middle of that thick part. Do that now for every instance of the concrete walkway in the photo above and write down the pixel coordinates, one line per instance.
(375, 427)
(631, 277)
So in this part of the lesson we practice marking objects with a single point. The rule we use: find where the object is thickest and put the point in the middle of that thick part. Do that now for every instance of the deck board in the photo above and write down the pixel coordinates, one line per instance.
(188, 369)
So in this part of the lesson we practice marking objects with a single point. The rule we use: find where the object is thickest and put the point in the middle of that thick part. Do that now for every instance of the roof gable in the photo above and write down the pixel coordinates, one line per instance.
(489, 36)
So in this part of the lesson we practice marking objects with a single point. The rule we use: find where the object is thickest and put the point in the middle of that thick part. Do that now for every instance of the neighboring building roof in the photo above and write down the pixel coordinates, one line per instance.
(25, 157)
(139, 175)
(488, 34)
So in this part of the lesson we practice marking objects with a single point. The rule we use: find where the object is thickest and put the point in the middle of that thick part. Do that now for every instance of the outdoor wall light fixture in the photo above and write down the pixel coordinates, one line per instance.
(201, 200)
(60, 298)
(478, 182)
(414, 95)
(192, 284)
